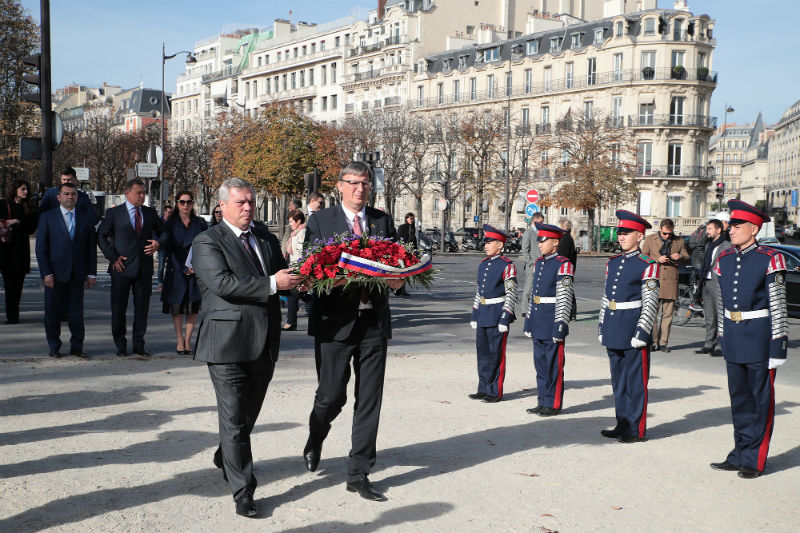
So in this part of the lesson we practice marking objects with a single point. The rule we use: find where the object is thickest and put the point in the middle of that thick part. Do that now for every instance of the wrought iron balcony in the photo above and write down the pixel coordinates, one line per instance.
(672, 121)
(671, 171)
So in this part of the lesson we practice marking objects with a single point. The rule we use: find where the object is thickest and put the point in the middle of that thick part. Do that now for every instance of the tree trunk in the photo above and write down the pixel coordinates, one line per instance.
(594, 243)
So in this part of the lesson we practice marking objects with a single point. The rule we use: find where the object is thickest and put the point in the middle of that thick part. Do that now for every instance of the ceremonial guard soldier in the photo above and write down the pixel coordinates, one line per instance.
(627, 312)
(492, 312)
(548, 315)
(752, 329)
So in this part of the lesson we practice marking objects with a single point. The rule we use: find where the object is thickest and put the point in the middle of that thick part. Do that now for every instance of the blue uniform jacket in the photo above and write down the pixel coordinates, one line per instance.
(630, 277)
(750, 280)
(497, 278)
(552, 278)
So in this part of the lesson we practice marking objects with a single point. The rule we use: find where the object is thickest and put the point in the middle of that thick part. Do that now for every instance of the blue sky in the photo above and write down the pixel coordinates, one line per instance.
(120, 42)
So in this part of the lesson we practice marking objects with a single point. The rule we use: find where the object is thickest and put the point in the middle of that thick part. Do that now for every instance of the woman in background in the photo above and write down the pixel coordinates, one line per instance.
(293, 250)
(20, 218)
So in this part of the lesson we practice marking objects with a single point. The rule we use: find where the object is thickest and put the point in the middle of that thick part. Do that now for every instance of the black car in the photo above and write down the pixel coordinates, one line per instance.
(792, 256)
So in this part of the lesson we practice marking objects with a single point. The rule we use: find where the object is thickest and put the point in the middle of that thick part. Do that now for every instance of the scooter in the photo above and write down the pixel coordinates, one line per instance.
(470, 242)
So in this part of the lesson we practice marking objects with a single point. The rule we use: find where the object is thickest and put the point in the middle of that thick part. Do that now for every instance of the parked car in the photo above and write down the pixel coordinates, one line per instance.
(792, 256)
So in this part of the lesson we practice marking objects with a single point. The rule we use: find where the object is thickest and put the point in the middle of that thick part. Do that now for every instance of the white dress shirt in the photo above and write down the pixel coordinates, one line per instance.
(273, 285)
(362, 217)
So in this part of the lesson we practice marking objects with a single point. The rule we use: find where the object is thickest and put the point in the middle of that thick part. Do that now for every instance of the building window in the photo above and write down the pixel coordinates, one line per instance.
(569, 75)
(615, 152)
(644, 158)
(302, 78)
(588, 110)
(701, 59)
(462, 62)
(323, 74)
(311, 77)
(334, 102)
(333, 72)
(456, 91)
(674, 154)
(440, 93)
(545, 115)
(677, 30)
(310, 105)
(591, 71)
(650, 26)
(490, 85)
(698, 156)
(576, 40)
(526, 117)
(487, 55)
(533, 47)
(701, 106)
(646, 114)
(673, 206)
(676, 111)
(337, 41)
(473, 88)
(509, 83)
(555, 44)
(528, 80)
(619, 28)
(260, 59)
(678, 58)
(598, 36)
(294, 80)
(548, 78)
(420, 96)
(616, 111)
(617, 67)
(324, 103)
(648, 60)
(314, 47)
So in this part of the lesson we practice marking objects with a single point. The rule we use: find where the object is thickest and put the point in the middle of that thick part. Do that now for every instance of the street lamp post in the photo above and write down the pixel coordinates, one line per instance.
(512, 51)
(164, 57)
(728, 109)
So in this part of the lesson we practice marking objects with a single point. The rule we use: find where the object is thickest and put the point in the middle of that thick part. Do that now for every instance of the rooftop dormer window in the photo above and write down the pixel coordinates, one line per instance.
(650, 26)
(462, 61)
(619, 29)
(598, 36)
(555, 44)
(576, 40)
(533, 47)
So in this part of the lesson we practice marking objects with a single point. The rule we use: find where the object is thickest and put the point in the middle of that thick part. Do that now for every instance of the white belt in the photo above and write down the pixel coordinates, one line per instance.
(544, 299)
(614, 305)
(488, 301)
(738, 316)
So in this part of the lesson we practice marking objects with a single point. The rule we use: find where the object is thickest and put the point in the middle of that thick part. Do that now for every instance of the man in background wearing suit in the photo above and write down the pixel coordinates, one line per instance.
(128, 237)
(66, 250)
(346, 325)
(530, 251)
(240, 269)
(50, 198)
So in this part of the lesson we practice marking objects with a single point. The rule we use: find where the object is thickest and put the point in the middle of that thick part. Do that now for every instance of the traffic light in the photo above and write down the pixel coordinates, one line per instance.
(312, 181)
(720, 190)
(35, 78)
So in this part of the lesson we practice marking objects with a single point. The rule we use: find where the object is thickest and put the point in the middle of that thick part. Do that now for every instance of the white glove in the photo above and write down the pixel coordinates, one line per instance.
(775, 363)
(502, 329)
(528, 334)
(473, 325)
(558, 341)
(600, 339)
(637, 343)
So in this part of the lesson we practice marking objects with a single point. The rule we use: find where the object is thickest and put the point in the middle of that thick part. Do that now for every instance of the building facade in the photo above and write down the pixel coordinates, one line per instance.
(649, 72)
(783, 182)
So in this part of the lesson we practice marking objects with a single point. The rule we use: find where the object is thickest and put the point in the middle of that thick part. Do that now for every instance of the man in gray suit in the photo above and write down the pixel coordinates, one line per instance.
(530, 251)
(240, 269)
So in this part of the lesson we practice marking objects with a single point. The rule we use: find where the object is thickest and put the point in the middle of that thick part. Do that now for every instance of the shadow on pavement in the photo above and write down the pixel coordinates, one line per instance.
(68, 401)
(392, 517)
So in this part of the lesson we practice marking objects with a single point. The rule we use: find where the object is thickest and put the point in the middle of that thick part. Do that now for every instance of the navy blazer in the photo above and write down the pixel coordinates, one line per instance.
(333, 315)
(50, 201)
(58, 255)
(116, 237)
(177, 242)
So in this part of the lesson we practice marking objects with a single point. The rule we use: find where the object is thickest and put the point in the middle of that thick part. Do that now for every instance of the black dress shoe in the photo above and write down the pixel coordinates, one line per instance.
(703, 350)
(122, 353)
(665, 349)
(78, 353)
(716, 353)
(55, 355)
(490, 399)
(724, 465)
(627, 439)
(476, 396)
(654, 348)
(611, 433)
(748, 473)
(245, 506)
(534, 410)
(548, 411)
(365, 489)
(141, 352)
(311, 456)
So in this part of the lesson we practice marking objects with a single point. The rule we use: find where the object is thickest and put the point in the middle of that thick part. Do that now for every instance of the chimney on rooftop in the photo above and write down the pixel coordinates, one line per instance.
(681, 5)
(381, 9)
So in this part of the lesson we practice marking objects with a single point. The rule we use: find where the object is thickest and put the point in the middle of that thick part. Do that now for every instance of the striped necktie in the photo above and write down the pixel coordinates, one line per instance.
(71, 224)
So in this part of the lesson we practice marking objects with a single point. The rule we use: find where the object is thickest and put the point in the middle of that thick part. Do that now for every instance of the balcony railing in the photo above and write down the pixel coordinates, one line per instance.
(288, 60)
(370, 48)
(670, 171)
(377, 73)
(610, 78)
(672, 121)
(218, 75)
(292, 94)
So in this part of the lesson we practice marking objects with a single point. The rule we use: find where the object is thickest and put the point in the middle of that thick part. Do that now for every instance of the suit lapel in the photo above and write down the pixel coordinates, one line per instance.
(340, 222)
(263, 246)
(238, 248)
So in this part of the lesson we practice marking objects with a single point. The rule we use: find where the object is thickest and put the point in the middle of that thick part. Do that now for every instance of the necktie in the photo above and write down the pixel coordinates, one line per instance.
(71, 224)
(137, 220)
(245, 238)
(357, 226)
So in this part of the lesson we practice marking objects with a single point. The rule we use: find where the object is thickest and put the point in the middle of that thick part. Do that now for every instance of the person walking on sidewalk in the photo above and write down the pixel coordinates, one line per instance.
(19, 220)
(669, 251)
(627, 313)
(753, 331)
(240, 269)
(549, 312)
(492, 313)
(66, 250)
(293, 250)
(717, 243)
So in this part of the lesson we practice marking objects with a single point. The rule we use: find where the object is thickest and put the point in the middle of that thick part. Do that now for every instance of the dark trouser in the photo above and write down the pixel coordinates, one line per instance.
(710, 313)
(491, 346)
(121, 287)
(162, 262)
(292, 305)
(752, 391)
(367, 348)
(13, 285)
(548, 360)
(630, 373)
(65, 299)
(240, 389)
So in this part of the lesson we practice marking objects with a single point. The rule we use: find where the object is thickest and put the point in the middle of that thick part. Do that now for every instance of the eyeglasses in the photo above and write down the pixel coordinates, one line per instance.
(366, 185)
(667, 234)
(186, 202)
